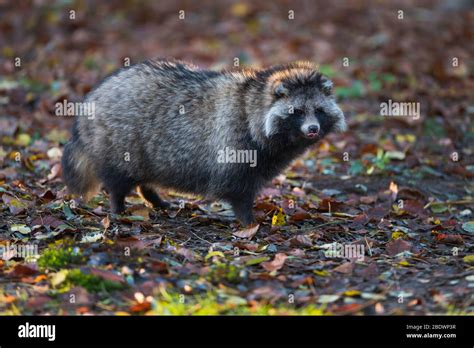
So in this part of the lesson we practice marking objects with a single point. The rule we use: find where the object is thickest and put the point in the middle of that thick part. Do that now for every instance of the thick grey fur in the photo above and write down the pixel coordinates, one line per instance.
(140, 137)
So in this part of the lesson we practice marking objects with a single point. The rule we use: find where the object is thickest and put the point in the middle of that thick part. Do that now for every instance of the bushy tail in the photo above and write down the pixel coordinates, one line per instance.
(78, 170)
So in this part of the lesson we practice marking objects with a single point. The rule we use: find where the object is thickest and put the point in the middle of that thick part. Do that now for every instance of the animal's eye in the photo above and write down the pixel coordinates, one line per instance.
(298, 112)
(319, 111)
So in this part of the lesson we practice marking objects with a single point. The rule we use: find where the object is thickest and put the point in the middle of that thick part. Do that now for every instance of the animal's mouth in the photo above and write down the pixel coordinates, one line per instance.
(311, 135)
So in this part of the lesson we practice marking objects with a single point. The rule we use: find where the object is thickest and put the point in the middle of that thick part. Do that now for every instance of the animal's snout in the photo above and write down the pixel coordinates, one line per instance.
(312, 131)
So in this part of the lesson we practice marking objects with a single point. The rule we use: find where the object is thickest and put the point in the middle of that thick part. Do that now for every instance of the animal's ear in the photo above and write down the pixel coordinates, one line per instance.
(279, 90)
(326, 85)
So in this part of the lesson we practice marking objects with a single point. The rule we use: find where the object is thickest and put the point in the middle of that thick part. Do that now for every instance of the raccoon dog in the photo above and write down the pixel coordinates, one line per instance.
(166, 124)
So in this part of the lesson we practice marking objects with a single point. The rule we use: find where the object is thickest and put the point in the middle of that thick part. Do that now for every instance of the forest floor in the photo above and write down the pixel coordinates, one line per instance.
(378, 220)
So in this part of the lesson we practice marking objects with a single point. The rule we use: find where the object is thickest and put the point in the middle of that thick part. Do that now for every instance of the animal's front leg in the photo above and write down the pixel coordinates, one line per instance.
(242, 207)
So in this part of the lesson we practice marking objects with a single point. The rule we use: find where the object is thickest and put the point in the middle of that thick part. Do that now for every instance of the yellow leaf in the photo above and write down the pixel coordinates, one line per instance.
(278, 218)
(397, 234)
(23, 140)
(352, 293)
(468, 259)
(402, 138)
(239, 9)
(404, 263)
(59, 277)
(214, 253)
(322, 273)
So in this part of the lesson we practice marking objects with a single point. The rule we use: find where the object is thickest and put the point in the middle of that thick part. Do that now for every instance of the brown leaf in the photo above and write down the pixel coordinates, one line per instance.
(22, 270)
(188, 254)
(301, 240)
(300, 216)
(377, 213)
(415, 208)
(55, 171)
(266, 207)
(276, 264)
(16, 206)
(345, 268)
(449, 238)
(397, 246)
(49, 221)
(406, 193)
(248, 232)
(360, 220)
(108, 275)
(368, 199)
(297, 253)
(247, 246)
(371, 271)
(159, 267)
(329, 205)
(140, 307)
(38, 301)
(106, 222)
(347, 308)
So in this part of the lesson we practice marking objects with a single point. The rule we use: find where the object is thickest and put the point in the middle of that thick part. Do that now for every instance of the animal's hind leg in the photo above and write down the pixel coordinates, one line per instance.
(117, 201)
(118, 186)
(150, 194)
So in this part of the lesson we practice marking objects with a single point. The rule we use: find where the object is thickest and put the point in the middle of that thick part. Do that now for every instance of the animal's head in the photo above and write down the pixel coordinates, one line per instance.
(303, 107)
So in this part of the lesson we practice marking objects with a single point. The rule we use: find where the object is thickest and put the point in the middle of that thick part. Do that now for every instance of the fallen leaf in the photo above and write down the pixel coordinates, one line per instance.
(247, 232)
(15, 205)
(276, 264)
(140, 307)
(300, 216)
(21, 270)
(59, 277)
(256, 260)
(214, 254)
(278, 218)
(301, 240)
(345, 268)
(55, 171)
(468, 226)
(397, 246)
(449, 238)
(371, 271)
(106, 222)
(108, 275)
(23, 229)
(468, 259)
(48, 221)
(328, 298)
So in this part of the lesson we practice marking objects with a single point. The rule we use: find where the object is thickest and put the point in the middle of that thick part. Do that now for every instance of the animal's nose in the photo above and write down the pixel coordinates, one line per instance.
(313, 129)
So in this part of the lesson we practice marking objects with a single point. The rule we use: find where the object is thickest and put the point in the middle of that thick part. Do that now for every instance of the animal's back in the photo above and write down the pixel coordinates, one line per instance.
(163, 122)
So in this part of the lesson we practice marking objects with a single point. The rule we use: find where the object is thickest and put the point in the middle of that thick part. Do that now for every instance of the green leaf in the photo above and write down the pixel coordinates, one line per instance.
(214, 253)
(23, 229)
(257, 260)
(468, 226)
(356, 168)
